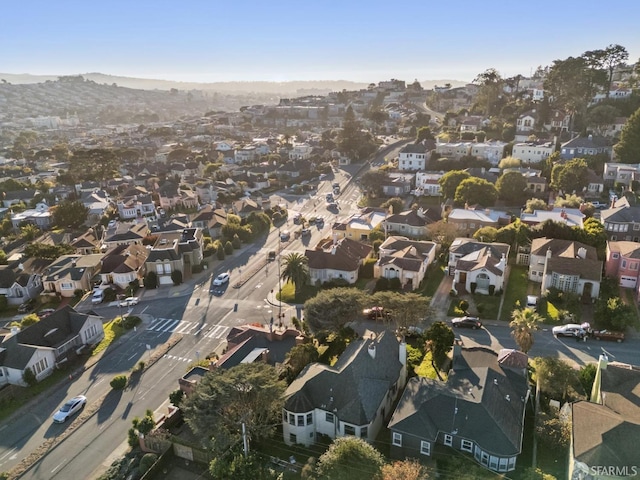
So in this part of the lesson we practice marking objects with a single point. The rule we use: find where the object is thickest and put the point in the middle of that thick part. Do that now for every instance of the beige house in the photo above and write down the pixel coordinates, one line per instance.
(336, 259)
(70, 273)
(175, 251)
(404, 259)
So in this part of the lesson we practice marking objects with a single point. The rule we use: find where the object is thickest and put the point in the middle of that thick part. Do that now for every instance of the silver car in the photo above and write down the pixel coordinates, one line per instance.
(70, 408)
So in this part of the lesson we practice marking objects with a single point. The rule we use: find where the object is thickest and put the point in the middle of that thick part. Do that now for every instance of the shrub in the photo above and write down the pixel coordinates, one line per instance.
(130, 321)
(109, 294)
(118, 382)
(463, 305)
(151, 280)
(140, 366)
(176, 397)
(132, 438)
(196, 268)
(146, 462)
(29, 377)
(473, 286)
(220, 254)
(453, 293)
(228, 248)
(78, 292)
(492, 289)
(176, 277)
(134, 286)
(382, 284)
(236, 242)
(394, 284)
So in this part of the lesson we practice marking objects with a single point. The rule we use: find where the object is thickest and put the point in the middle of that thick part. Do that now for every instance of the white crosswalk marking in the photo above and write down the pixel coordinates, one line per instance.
(171, 326)
(217, 332)
(183, 327)
(158, 322)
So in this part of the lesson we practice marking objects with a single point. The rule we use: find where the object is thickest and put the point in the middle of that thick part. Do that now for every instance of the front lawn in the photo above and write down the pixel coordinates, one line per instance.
(487, 306)
(288, 293)
(112, 331)
(515, 292)
(432, 279)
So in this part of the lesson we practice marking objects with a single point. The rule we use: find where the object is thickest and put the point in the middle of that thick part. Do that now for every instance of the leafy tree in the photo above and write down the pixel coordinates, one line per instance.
(551, 229)
(440, 339)
(296, 270)
(442, 232)
(424, 133)
(145, 424)
(450, 181)
(409, 469)
(223, 400)
(509, 162)
(29, 232)
(571, 176)
(601, 116)
(396, 204)
(407, 309)
(553, 431)
(491, 86)
(593, 233)
(151, 280)
(486, 234)
(474, 191)
(524, 322)
(228, 248)
(612, 313)
(331, 309)
(557, 379)
(569, 201)
(299, 357)
(70, 213)
(29, 377)
(353, 142)
(27, 321)
(628, 148)
(612, 56)
(350, 458)
(97, 164)
(47, 251)
(587, 376)
(118, 382)
(512, 188)
(3, 257)
(372, 181)
(176, 397)
(570, 85)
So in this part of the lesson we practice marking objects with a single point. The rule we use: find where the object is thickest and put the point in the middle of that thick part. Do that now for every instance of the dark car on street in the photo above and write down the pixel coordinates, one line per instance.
(467, 322)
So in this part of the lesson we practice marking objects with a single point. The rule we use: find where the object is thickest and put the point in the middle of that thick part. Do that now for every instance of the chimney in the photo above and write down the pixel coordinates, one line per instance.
(582, 253)
(548, 253)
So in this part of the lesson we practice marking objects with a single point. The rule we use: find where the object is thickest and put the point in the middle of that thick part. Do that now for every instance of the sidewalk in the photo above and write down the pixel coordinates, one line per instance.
(441, 299)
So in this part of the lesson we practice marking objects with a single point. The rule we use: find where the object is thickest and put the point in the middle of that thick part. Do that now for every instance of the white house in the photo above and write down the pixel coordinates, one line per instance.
(300, 151)
(404, 259)
(492, 151)
(353, 397)
(533, 152)
(427, 183)
(412, 156)
(478, 267)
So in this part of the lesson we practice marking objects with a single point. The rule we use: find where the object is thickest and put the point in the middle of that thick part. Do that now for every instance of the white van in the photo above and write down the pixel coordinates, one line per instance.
(98, 297)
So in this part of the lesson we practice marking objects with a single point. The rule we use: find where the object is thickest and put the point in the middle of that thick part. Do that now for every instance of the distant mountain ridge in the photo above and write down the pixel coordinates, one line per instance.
(307, 87)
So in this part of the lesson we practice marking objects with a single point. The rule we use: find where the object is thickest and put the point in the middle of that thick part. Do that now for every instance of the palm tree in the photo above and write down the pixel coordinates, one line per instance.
(524, 321)
(295, 270)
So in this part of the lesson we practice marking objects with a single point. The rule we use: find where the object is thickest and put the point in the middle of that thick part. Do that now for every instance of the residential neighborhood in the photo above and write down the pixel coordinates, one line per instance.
(421, 275)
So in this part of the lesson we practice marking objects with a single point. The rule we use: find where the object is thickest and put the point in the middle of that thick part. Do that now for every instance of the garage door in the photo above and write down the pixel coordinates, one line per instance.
(628, 282)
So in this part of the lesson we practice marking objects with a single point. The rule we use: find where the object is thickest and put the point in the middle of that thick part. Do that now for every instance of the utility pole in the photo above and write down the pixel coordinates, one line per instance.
(279, 280)
(245, 440)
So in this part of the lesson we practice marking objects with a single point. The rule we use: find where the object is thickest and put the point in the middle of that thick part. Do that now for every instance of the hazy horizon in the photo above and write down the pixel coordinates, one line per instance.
(245, 41)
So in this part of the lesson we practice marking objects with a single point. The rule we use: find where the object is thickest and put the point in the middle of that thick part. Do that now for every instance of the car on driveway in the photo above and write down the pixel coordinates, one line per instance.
(45, 312)
(129, 302)
(70, 408)
(467, 322)
(569, 330)
(285, 235)
(222, 279)
(608, 335)
(532, 301)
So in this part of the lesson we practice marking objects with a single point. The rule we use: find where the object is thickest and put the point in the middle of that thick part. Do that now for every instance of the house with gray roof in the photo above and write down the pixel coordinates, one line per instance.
(479, 410)
(336, 259)
(125, 234)
(18, 286)
(604, 429)
(412, 157)
(566, 265)
(478, 266)
(175, 250)
(210, 219)
(621, 222)
(580, 146)
(352, 397)
(123, 264)
(404, 259)
(43, 345)
(70, 273)
(412, 223)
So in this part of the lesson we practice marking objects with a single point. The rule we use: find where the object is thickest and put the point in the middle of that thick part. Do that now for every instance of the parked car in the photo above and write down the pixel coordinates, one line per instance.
(70, 408)
(608, 335)
(97, 297)
(599, 205)
(532, 301)
(297, 217)
(569, 330)
(271, 256)
(221, 279)
(27, 306)
(319, 222)
(129, 302)
(45, 312)
(467, 322)
(285, 235)
(374, 313)
(305, 231)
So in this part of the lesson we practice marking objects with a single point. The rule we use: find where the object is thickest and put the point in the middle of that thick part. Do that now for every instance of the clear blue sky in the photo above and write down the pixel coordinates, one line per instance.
(218, 40)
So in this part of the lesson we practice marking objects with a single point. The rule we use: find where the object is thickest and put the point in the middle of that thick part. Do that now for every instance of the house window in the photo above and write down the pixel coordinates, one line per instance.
(293, 438)
(285, 416)
(512, 463)
(448, 440)
(301, 420)
(66, 286)
(466, 446)
(292, 419)
(636, 226)
(349, 430)
(309, 418)
(364, 432)
(397, 439)
(425, 448)
(615, 256)
(493, 463)
(503, 465)
(329, 417)
(624, 264)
